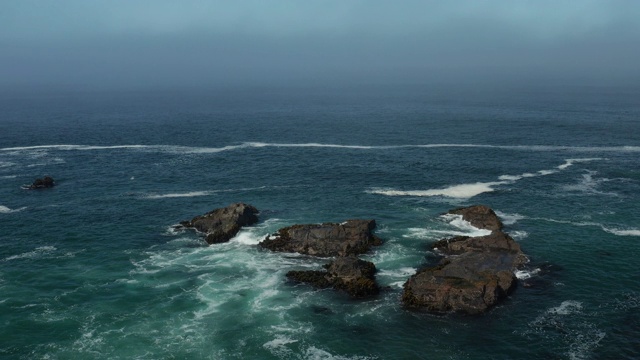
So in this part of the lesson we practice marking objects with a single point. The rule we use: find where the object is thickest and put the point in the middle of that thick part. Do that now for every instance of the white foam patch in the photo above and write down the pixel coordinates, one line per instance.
(580, 336)
(179, 195)
(278, 346)
(526, 274)
(566, 307)
(314, 353)
(519, 234)
(509, 219)
(465, 191)
(397, 273)
(38, 252)
(204, 150)
(614, 231)
(6, 210)
(462, 191)
(571, 162)
(198, 193)
(8, 177)
(4, 164)
(588, 185)
(466, 227)
(620, 232)
(248, 237)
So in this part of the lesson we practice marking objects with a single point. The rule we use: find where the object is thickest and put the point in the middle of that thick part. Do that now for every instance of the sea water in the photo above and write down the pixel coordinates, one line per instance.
(94, 269)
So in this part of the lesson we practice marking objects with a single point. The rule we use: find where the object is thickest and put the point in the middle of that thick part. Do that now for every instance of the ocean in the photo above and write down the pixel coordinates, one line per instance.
(93, 268)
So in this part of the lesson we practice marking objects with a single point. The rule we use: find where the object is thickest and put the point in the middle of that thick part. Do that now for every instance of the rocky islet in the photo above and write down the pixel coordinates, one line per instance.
(473, 275)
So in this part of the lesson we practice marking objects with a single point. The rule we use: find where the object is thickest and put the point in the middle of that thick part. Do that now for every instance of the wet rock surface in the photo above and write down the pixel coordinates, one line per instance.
(220, 225)
(480, 216)
(354, 276)
(351, 237)
(44, 183)
(475, 273)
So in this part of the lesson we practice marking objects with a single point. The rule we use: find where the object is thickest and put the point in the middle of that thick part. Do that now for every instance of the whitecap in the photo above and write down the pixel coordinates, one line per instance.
(206, 150)
(518, 234)
(566, 307)
(465, 226)
(314, 353)
(6, 210)
(570, 162)
(278, 342)
(509, 219)
(179, 195)
(248, 237)
(37, 252)
(465, 191)
(526, 274)
(462, 191)
(588, 185)
(614, 231)
(621, 232)
(400, 272)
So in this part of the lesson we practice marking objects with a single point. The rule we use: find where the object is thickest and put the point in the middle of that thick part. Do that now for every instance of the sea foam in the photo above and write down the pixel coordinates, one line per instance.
(179, 195)
(38, 252)
(6, 210)
(465, 191)
(461, 191)
(245, 145)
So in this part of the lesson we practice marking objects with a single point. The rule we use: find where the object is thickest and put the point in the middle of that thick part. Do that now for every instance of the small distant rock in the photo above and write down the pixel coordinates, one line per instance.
(44, 183)
(351, 237)
(354, 276)
(480, 216)
(220, 225)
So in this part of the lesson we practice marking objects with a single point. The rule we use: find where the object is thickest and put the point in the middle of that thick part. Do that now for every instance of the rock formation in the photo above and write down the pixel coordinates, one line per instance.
(43, 183)
(220, 225)
(475, 273)
(480, 216)
(350, 274)
(351, 237)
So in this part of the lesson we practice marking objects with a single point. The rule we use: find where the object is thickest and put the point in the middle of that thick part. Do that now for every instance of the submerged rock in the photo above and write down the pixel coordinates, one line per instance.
(220, 225)
(480, 216)
(351, 237)
(474, 275)
(354, 276)
(46, 182)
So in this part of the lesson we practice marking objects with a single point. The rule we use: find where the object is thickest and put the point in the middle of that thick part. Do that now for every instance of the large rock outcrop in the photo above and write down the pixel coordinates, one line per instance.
(349, 274)
(480, 216)
(474, 275)
(351, 237)
(220, 225)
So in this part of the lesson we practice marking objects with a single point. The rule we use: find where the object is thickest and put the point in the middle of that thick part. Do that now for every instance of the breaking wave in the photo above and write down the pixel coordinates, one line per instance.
(6, 210)
(191, 149)
(465, 191)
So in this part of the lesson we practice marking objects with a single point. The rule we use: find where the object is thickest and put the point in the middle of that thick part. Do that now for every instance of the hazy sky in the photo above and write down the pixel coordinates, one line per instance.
(161, 43)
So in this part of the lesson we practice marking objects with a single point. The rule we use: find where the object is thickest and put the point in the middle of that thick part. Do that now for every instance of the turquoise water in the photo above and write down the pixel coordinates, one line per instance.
(93, 269)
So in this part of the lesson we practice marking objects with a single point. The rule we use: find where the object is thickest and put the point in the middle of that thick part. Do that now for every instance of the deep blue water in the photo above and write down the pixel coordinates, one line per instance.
(92, 268)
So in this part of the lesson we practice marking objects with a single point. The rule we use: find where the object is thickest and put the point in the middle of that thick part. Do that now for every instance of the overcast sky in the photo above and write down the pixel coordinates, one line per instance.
(161, 43)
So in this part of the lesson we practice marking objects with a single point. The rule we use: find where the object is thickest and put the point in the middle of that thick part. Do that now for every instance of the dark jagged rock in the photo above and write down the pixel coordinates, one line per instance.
(352, 237)
(354, 276)
(220, 225)
(46, 182)
(479, 216)
(475, 274)
(496, 241)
